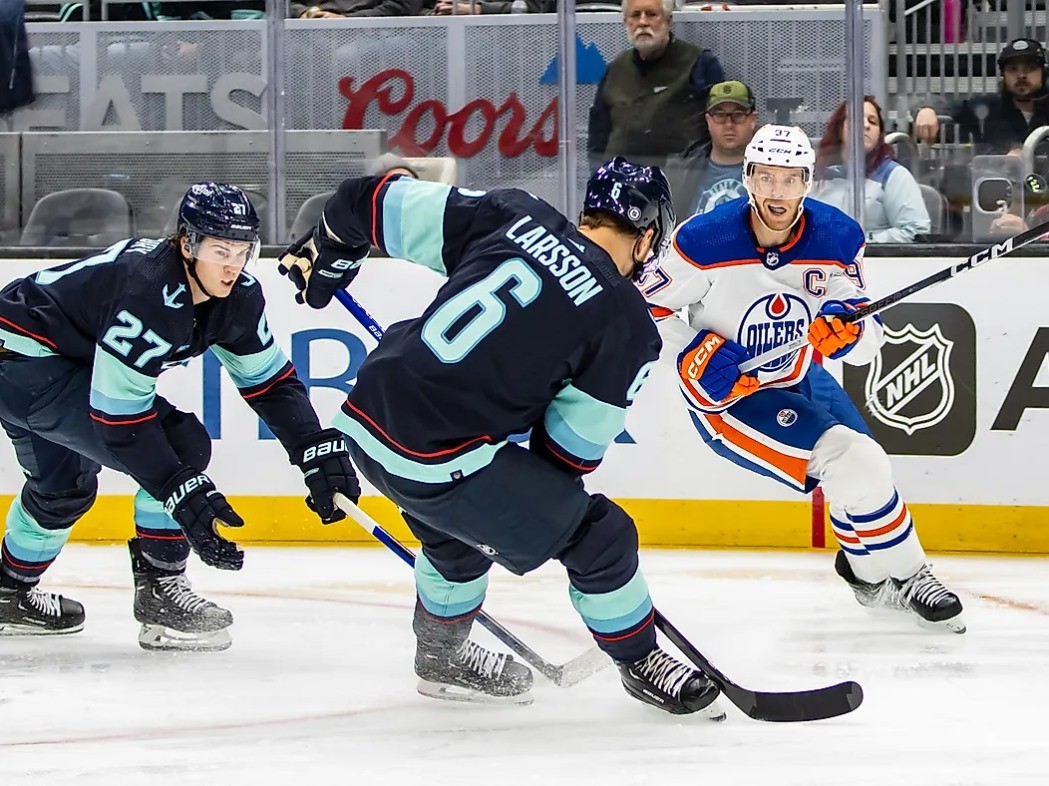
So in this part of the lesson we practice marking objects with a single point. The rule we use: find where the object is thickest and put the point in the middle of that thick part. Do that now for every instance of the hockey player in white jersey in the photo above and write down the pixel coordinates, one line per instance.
(751, 275)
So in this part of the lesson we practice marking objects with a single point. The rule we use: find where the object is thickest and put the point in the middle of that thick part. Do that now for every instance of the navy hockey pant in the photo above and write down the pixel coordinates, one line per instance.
(519, 512)
(44, 411)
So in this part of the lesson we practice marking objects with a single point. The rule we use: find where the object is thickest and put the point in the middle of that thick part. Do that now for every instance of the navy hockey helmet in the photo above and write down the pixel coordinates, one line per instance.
(639, 195)
(217, 210)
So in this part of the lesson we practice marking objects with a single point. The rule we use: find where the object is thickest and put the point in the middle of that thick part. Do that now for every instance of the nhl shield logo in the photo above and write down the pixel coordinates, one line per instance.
(909, 385)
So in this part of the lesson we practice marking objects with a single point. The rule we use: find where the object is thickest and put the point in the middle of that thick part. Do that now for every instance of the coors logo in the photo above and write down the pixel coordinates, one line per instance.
(919, 394)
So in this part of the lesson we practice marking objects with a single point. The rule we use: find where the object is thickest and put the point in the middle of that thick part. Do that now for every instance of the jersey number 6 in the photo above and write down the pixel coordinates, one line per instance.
(482, 295)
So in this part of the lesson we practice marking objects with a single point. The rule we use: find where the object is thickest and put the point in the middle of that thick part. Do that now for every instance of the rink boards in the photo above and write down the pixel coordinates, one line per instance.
(957, 397)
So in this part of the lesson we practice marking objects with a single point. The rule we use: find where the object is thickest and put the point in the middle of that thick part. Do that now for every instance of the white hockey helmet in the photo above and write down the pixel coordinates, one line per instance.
(780, 146)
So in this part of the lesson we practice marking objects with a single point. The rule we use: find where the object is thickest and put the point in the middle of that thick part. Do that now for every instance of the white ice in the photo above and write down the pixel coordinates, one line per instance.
(318, 686)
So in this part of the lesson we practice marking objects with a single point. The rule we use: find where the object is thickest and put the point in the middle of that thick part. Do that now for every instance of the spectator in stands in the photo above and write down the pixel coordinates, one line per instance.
(16, 73)
(336, 9)
(651, 98)
(894, 211)
(997, 124)
(712, 172)
(444, 7)
(208, 9)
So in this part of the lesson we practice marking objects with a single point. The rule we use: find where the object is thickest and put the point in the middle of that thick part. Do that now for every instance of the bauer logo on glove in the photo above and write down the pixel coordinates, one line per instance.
(318, 264)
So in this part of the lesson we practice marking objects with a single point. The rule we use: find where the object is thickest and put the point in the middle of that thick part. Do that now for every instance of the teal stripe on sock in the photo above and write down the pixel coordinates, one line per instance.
(618, 610)
(27, 540)
(443, 598)
(149, 513)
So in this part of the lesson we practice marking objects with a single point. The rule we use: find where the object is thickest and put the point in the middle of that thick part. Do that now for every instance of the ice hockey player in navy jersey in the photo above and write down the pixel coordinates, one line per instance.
(81, 348)
(536, 327)
(752, 275)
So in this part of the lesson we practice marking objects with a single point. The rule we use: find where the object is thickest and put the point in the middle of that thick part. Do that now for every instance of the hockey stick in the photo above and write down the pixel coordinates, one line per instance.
(977, 259)
(786, 707)
(564, 676)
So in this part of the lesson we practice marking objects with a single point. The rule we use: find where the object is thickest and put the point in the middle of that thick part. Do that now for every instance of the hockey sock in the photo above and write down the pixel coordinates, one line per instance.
(442, 598)
(621, 620)
(160, 538)
(29, 548)
(885, 536)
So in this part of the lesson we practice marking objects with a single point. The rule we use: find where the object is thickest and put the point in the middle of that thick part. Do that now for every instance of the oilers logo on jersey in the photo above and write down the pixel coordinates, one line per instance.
(771, 322)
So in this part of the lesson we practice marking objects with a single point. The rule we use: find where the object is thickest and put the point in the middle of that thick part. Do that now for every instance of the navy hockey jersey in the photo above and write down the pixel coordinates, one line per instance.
(128, 314)
(535, 328)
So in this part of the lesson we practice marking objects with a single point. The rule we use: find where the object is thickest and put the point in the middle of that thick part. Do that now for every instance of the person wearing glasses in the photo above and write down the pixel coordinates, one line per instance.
(714, 171)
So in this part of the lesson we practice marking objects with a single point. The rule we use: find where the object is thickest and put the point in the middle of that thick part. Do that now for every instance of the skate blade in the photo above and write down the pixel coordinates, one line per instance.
(712, 712)
(953, 625)
(446, 692)
(12, 629)
(160, 638)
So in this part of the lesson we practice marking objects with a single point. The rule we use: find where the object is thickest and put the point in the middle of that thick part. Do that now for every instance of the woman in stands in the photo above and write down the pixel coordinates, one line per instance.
(894, 211)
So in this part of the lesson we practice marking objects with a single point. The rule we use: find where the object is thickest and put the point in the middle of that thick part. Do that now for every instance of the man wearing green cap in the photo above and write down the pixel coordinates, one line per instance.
(715, 170)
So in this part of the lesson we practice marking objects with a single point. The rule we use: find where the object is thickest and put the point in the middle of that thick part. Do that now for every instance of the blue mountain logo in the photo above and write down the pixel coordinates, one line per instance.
(589, 65)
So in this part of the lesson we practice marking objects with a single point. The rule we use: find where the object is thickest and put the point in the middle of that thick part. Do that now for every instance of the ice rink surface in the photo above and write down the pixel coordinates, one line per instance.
(318, 687)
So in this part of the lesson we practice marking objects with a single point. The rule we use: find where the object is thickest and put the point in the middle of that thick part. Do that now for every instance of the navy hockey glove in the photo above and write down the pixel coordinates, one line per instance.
(712, 363)
(190, 498)
(830, 335)
(327, 470)
(318, 265)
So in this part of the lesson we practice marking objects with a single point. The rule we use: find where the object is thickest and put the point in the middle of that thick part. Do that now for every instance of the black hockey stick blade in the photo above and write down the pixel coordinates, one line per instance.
(787, 707)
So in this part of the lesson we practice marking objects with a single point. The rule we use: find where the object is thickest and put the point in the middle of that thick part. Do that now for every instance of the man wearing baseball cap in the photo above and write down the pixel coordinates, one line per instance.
(715, 168)
(998, 124)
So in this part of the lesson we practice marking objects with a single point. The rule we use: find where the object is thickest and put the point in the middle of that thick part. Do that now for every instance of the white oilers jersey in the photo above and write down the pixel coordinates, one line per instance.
(716, 276)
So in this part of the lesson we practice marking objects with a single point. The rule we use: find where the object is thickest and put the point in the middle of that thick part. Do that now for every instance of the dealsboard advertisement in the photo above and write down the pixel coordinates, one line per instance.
(958, 397)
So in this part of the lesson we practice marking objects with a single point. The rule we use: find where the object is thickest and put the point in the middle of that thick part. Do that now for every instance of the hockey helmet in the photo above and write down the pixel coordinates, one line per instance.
(218, 210)
(639, 195)
(781, 146)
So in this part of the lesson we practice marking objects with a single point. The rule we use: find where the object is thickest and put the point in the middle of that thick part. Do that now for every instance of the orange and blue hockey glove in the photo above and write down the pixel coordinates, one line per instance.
(832, 336)
(711, 362)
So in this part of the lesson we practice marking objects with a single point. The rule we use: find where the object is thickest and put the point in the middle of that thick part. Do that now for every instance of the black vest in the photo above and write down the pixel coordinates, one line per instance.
(16, 78)
(653, 108)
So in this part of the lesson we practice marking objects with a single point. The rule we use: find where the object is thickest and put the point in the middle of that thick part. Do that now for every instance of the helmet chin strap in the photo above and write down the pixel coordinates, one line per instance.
(191, 268)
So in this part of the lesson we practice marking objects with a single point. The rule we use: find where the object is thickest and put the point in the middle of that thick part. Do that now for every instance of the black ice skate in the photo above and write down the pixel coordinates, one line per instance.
(882, 595)
(936, 606)
(173, 616)
(662, 681)
(922, 595)
(472, 673)
(26, 611)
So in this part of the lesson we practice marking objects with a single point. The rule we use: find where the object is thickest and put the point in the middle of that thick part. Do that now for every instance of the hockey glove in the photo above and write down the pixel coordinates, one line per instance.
(830, 335)
(318, 264)
(712, 363)
(327, 470)
(190, 498)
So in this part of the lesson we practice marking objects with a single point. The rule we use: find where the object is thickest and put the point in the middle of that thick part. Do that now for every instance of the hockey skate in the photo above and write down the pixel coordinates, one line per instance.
(173, 616)
(662, 681)
(452, 667)
(472, 673)
(882, 595)
(922, 595)
(26, 611)
(935, 606)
